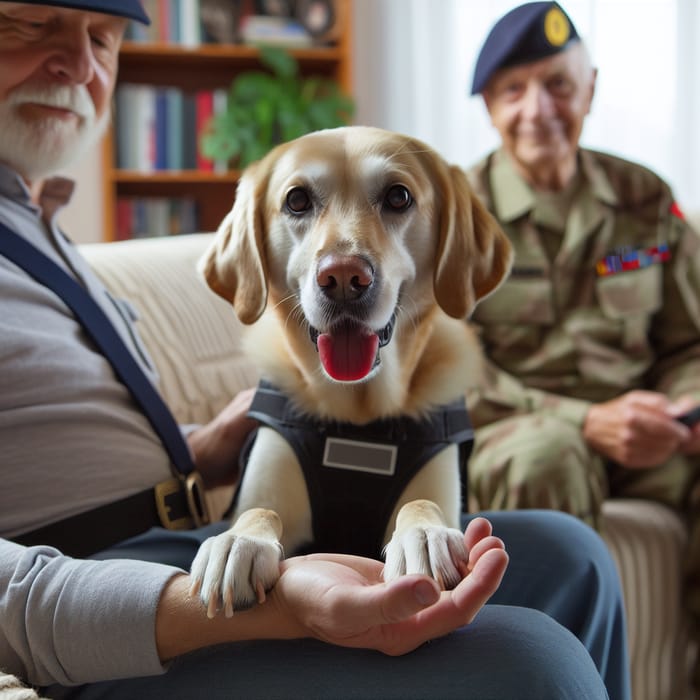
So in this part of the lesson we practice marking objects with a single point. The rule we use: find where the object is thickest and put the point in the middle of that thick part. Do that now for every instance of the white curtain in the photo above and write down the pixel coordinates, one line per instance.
(414, 61)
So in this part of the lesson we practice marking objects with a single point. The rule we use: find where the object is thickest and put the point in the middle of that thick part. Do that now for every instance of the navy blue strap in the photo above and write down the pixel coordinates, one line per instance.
(105, 336)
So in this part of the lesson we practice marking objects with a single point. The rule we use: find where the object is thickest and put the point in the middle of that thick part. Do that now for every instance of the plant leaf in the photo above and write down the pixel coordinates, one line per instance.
(279, 61)
(265, 109)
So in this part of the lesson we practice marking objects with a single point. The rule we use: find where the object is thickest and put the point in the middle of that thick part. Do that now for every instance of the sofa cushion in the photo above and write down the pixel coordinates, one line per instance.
(191, 333)
(648, 542)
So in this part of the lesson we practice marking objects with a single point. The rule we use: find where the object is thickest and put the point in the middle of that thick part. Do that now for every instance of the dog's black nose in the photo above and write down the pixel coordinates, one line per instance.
(344, 277)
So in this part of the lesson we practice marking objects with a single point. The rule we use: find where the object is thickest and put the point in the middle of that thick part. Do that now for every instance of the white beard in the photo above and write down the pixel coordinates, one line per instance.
(41, 147)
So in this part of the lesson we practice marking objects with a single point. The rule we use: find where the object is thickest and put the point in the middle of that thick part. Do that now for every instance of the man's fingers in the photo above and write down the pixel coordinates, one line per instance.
(455, 608)
(410, 595)
(640, 397)
(477, 529)
(483, 546)
(483, 581)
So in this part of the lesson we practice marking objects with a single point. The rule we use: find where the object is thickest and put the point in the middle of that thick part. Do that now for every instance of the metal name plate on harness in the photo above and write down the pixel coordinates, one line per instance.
(360, 456)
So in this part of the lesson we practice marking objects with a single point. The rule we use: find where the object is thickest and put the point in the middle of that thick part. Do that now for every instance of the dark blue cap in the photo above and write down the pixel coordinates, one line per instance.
(525, 34)
(133, 9)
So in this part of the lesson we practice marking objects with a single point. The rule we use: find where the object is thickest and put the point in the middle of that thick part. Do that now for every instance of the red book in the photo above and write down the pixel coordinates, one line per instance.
(124, 218)
(205, 110)
(163, 21)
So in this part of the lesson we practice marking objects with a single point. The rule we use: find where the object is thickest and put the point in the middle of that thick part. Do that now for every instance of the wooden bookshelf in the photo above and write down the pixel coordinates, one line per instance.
(207, 67)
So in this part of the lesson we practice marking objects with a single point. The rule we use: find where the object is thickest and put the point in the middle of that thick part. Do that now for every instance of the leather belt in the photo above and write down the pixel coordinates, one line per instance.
(175, 504)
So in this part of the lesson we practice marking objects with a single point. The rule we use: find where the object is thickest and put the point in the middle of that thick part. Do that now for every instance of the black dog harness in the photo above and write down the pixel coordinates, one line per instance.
(356, 473)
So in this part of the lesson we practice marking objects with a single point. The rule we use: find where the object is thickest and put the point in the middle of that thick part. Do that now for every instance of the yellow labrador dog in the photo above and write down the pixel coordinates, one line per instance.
(354, 257)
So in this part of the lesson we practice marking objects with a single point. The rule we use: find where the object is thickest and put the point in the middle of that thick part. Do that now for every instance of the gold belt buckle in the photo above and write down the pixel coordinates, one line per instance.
(191, 490)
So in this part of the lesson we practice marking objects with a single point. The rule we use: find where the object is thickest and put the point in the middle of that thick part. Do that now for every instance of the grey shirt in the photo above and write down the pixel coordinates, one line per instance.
(58, 626)
(72, 439)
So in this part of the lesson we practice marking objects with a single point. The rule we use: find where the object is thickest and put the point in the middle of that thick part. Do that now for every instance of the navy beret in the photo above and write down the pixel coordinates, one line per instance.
(525, 34)
(133, 9)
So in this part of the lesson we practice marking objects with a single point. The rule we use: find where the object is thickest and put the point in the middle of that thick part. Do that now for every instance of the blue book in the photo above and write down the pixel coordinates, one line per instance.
(161, 130)
(189, 132)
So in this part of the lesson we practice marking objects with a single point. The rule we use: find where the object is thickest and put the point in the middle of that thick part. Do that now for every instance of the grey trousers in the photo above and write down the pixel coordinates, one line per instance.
(554, 630)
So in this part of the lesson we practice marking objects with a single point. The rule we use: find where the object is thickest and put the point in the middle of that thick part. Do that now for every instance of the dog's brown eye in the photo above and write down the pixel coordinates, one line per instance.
(398, 198)
(298, 200)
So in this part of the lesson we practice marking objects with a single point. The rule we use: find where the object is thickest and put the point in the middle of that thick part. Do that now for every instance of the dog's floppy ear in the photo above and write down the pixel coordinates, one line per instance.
(234, 265)
(474, 255)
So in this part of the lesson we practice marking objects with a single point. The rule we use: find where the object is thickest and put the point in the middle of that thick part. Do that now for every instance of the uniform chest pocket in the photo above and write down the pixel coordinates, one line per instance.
(629, 294)
(628, 300)
(519, 301)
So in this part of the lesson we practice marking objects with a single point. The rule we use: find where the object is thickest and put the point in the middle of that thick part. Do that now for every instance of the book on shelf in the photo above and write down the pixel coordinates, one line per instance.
(158, 128)
(204, 100)
(188, 23)
(189, 128)
(281, 31)
(174, 137)
(220, 106)
(146, 217)
(172, 22)
(135, 127)
(191, 23)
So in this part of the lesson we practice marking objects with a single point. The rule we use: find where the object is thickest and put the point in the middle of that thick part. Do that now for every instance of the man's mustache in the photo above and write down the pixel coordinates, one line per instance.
(71, 97)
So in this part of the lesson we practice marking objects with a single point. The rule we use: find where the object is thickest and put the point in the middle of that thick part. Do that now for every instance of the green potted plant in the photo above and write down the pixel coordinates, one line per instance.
(268, 108)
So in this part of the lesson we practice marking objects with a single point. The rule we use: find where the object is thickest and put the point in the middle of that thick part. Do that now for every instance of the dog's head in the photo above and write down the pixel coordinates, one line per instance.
(345, 231)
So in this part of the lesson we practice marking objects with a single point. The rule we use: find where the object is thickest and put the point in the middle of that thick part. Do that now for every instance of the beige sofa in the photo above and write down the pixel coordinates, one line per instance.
(193, 338)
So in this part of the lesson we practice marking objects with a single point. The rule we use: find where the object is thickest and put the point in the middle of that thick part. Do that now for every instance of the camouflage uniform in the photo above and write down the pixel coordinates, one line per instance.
(560, 336)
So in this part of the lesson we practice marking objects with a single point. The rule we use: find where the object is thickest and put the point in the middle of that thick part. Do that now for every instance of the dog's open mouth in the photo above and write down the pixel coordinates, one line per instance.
(349, 351)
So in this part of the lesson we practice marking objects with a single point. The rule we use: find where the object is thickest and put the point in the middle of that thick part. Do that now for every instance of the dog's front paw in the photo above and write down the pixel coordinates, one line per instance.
(433, 550)
(233, 570)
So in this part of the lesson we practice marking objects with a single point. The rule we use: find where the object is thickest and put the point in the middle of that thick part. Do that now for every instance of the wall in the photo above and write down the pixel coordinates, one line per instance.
(82, 219)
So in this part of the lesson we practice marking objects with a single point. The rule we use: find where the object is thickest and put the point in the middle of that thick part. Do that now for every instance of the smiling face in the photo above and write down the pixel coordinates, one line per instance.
(539, 109)
(58, 72)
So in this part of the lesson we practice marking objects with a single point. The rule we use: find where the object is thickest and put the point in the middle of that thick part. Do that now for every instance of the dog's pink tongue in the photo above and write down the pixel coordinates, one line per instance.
(348, 355)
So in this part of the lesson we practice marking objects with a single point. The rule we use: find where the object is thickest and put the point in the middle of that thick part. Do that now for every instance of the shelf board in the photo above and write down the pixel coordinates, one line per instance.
(222, 51)
(209, 66)
(171, 177)
(213, 192)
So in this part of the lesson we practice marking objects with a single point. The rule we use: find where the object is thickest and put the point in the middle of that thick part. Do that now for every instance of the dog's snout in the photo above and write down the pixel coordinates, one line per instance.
(344, 277)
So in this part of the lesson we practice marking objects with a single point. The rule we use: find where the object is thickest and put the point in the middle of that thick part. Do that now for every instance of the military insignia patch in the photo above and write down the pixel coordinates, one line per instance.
(628, 260)
(676, 211)
(556, 27)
